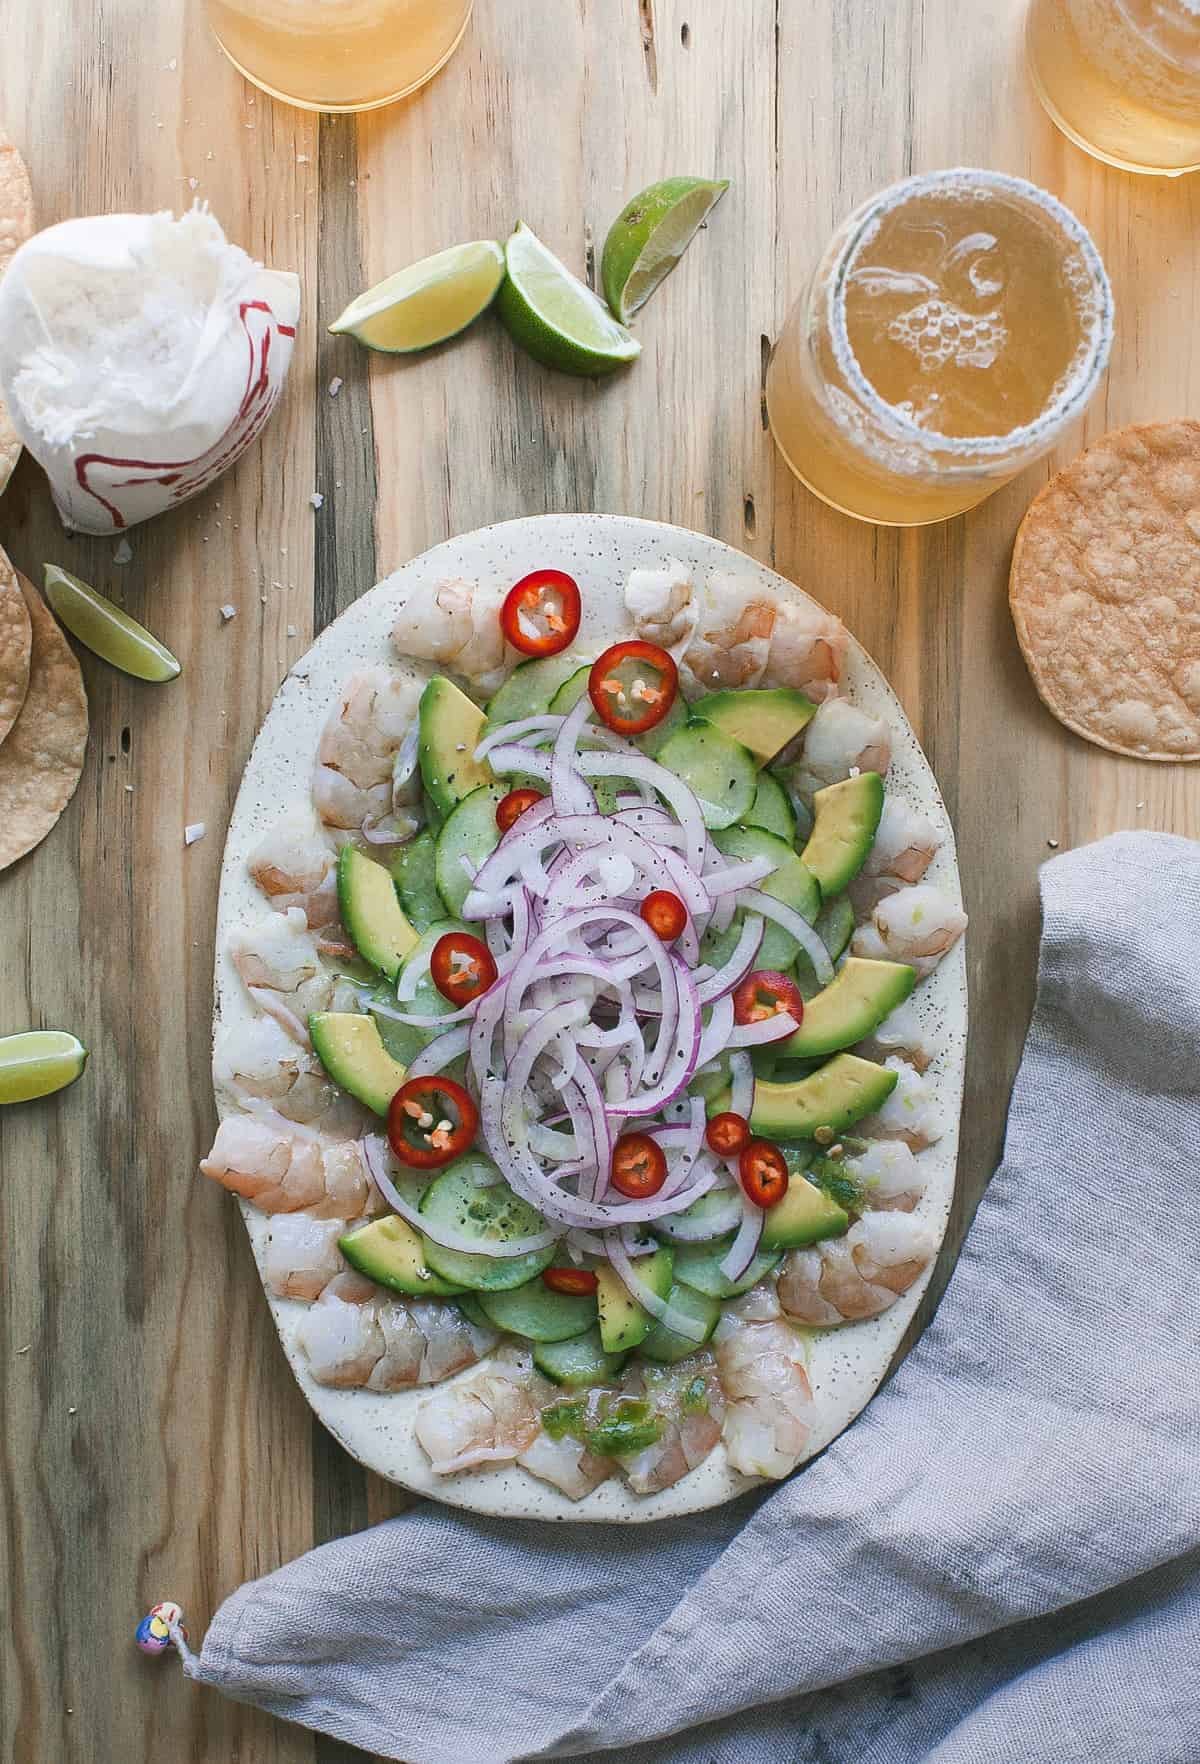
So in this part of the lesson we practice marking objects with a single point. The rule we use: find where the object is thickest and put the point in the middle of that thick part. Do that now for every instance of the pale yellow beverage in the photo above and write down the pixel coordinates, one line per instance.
(339, 54)
(956, 324)
(1121, 78)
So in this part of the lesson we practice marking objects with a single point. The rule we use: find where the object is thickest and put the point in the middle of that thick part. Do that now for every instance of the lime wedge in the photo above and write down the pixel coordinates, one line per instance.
(38, 1062)
(427, 302)
(650, 235)
(550, 313)
(106, 630)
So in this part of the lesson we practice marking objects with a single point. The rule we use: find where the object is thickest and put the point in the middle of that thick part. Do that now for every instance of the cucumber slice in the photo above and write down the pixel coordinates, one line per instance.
(570, 691)
(539, 1314)
(698, 1265)
(493, 1214)
(790, 883)
(834, 925)
(389, 1250)
(577, 1363)
(371, 911)
(530, 689)
(719, 1209)
(721, 773)
(771, 808)
(654, 740)
(662, 1344)
(416, 879)
(470, 832)
(472, 1310)
(449, 725)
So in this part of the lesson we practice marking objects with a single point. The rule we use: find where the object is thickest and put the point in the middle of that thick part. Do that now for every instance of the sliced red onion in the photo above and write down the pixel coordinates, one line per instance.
(393, 829)
(720, 1221)
(682, 800)
(740, 963)
(744, 1247)
(715, 1037)
(799, 928)
(377, 1155)
(680, 1322)
(439, 1053)
(741, 1084)
(510, 732)
(737, 876)
(405, 763)
(774, 1028)
(570, 793)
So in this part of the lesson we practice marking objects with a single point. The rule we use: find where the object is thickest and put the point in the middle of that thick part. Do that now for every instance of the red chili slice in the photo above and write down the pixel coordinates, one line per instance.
(764, 994)
(665, 914)
(574, 1280)
(430, 1122)
(633, 686)
(764, 1173)
(728, 1134)
(639, 1166)
(540, 615)
(462, 968)
(510, 808)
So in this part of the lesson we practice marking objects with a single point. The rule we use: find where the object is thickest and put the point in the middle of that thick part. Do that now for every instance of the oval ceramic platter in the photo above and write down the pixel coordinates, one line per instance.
(847, 1365)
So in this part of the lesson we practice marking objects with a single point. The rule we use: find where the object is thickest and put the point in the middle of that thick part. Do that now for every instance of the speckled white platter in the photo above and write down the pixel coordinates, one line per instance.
(846, 1366)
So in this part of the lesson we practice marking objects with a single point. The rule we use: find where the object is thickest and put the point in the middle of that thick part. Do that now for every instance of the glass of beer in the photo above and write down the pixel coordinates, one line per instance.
(1121, 78)
(339, 54)
(955, 326)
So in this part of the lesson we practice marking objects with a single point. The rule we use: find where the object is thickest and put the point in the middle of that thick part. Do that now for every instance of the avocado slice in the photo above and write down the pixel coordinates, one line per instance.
(371, 911)
(762, 719)
(450, 725)
(857, 999)
(805, 1215)
(845, 821)
(349, 1047)
(389, 1250)
(623, 1322)
(838, 1093)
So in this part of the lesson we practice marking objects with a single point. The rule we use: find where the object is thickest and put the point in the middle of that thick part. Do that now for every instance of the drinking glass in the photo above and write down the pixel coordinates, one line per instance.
(956, 324)
(1121, 78)
(339, 54)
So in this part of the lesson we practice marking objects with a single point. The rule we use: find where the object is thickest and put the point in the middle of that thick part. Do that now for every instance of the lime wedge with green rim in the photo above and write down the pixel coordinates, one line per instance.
(106, 630)
(650, 235)
(427, 302)
(38, 1063)
(553, 316)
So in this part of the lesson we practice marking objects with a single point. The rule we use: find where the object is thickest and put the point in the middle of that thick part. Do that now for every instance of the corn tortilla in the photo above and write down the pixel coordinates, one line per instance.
(16, 641)
(42, 757)
(16, 225)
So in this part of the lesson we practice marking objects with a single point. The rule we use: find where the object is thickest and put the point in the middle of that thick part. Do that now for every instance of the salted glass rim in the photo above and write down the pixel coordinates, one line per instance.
(1079, 384)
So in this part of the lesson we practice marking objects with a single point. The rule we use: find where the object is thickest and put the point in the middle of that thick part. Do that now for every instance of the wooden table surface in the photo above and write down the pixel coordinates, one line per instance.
(152, 1442)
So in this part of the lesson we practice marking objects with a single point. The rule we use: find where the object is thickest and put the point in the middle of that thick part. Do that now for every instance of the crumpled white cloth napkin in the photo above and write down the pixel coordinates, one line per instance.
(998, 1564)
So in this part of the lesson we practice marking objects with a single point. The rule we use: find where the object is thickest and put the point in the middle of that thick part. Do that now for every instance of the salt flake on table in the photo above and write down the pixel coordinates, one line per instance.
(228, 612)
(193, 831)
(335, 385)
(316, 499)
(123, 553)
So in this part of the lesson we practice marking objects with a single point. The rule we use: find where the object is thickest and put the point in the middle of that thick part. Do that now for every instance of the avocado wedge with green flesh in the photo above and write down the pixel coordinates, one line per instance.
(845, 822)
(349, 1047)
(391, 1252)
(624, 1323)
(449, 728)
(835, 1095)
(762, 719)
(860, 995)
(805, 1215)
(371, 912)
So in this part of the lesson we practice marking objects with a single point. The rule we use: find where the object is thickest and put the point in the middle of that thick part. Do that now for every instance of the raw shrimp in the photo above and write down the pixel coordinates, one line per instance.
(295, 865)
(280, 1167)
(356, 1337)
(901, 1032)
(904, 842)
(841, 739)
(689, 1403)
(732, 638)
(771, 1413)
(892, 1179)
(911, 1112)
(302, 1255)
(808, 650)
(857, 1276)
(458, 627)
(490, 1418)
(356, 756)
(280, 966)
(663, 605)
(258, 1065)
(567, 1464)
(915, 925)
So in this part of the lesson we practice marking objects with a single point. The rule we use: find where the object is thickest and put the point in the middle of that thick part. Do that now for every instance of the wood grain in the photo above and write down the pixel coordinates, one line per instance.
(151, 1441)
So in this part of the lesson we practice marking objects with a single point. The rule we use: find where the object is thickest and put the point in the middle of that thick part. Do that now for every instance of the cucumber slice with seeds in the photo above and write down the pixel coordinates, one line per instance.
(539, 1314)
(577, 1363)
(721, 773)
(697, 1265)
(415, 873)
(470, 832)
(487, 1214)
(530, 689)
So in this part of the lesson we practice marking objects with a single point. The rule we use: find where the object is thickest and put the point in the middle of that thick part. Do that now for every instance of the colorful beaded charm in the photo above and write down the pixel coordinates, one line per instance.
(153, 1634)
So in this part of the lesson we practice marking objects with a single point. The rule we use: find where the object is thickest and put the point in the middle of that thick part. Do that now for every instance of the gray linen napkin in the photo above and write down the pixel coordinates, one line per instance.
(999, 1562)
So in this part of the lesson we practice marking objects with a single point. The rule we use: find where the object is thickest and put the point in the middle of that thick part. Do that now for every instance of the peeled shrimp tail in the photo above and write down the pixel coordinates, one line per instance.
(490, 1418)
(355, 758)
(915, 925)
(771, 1414)
(295, 865)
(456, 627)
(279, 1168)
(851, 1278)
(839, 740)
(356, 1337)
